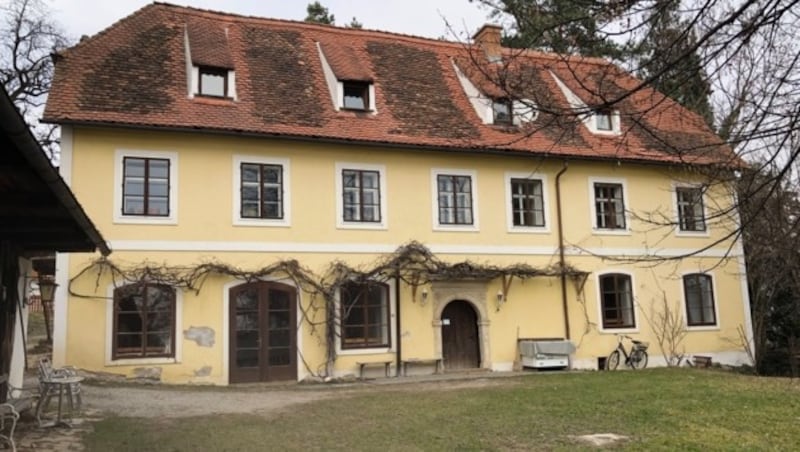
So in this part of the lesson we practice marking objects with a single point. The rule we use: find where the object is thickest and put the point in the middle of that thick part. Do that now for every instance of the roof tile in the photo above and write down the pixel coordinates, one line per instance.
(134, 74)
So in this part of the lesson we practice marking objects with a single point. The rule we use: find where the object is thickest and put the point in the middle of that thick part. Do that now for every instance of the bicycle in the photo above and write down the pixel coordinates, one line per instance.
(637, 359)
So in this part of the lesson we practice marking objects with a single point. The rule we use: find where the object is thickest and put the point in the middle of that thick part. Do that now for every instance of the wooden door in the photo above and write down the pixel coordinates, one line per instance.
(460, 346)
(263, 332)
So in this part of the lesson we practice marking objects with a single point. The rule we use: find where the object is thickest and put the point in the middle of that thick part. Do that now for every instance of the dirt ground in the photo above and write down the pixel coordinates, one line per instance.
(164, 401)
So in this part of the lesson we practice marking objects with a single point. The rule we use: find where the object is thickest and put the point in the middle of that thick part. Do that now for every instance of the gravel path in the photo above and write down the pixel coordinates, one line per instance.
(170, 403)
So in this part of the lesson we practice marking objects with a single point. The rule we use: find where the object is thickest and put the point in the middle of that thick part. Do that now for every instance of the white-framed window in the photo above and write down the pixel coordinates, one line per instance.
(361, 196)
(143, 324)
(366, 318)
(145, 187)
(616, 302)
(455, 204)
(607, 199)
(690, 210)
(356, 96)
(208, 81)
(502, 112)
(261, 195)
(699, 302)
(527, 202)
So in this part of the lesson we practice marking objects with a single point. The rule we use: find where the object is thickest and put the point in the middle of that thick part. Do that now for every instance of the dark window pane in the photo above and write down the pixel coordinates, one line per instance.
(261, 191)
(279, 319)
(617, 301)
(247, 358)
(279, 338)
(279, 357)
(361, 196)
(279, 300)
(365, 315)
(247, 339)
(250, 172)
(145, 187)
(455, 199)
(247, 300)
(247, 321)
(356, 95)
(144, 320)
(502, 111)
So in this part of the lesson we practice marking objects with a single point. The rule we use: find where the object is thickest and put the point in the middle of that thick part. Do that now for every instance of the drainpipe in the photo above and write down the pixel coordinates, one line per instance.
(398, 335)
(561, 260)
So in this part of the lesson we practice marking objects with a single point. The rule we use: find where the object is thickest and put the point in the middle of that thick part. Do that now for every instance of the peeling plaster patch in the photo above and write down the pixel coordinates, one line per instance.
(202, 335)
(147, 373)
(203, 371)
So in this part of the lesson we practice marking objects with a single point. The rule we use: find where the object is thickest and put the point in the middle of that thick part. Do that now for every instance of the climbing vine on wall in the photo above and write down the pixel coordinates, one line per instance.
(412, 263)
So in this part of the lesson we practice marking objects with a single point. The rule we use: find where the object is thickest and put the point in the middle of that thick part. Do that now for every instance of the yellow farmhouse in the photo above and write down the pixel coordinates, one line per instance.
(287, 201)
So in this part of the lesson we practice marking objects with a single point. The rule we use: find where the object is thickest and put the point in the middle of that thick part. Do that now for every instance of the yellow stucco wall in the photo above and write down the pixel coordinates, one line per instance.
(204, 231)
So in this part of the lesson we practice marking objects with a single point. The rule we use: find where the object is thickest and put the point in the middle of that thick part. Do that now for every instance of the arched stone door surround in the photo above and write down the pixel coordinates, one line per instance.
(473, 292)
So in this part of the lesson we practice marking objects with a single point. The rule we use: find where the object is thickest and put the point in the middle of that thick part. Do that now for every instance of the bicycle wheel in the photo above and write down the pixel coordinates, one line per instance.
(613, 360)
(639, 359)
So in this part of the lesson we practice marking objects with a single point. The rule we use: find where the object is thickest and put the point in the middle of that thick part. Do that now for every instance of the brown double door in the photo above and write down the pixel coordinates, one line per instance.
(460, 341)
(263, 342)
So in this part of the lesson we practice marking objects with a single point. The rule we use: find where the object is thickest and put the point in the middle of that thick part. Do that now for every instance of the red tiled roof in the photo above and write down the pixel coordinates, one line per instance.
(134, 74)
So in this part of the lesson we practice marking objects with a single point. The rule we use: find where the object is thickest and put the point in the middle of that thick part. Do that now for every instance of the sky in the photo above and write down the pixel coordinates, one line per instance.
(426, 18)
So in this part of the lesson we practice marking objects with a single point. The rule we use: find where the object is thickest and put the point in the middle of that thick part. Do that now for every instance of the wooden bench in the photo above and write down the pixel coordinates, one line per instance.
(361, 366)
(701, 361)
(406, 362)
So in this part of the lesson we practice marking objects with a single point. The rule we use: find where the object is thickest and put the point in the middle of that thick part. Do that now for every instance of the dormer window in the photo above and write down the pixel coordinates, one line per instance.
(355, 96)
(603, 121)
(213, 82)
(502, 109)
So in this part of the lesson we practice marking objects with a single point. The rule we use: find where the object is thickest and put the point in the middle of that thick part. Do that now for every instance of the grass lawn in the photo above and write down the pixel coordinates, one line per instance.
(666, 409)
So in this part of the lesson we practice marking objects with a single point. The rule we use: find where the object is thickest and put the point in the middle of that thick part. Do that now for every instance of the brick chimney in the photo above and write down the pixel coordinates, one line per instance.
(488, 39)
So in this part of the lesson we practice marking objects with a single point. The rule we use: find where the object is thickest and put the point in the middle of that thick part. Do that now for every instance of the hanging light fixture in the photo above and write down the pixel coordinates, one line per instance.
(47, 288)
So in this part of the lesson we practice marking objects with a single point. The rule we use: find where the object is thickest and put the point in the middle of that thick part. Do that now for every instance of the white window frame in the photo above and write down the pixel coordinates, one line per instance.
(340, 222)
(109, 345)
(286, 221)
(435, 173)
(340, 97)
(716, 326)
(119, 157)
(509, 205)
(676, 213)
(593, 207)
(599, 294)
(195, 85)
(391, 287)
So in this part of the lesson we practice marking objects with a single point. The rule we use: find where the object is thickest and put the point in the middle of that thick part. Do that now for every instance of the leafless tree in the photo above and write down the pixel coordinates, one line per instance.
(28, 37)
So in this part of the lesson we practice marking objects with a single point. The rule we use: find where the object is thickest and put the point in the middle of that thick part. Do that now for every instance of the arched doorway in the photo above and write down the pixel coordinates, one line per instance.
(460, 338)
(263, 332)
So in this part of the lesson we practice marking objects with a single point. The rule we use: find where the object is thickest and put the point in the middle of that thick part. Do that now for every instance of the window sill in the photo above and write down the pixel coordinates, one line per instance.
(703, 328)
(598, 231)
(355, 110)
(679, 233)
(365, 351)
(120, 219)
(140, 361)
(529, 230)
(261, 223)
(361, 225)
(618, 330)
(456, 228)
